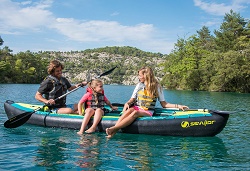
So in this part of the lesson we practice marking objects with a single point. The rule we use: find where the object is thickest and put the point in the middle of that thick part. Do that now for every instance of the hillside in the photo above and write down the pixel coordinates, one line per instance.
(127, 59)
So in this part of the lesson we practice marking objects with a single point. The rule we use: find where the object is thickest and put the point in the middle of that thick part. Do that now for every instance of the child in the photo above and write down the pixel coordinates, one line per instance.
(94, 101)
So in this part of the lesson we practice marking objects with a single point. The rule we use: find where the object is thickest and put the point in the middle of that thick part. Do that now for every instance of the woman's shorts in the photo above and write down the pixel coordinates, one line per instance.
(142, 110)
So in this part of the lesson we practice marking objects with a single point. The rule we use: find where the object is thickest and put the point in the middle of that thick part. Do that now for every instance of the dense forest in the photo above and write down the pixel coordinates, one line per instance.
(203, 61)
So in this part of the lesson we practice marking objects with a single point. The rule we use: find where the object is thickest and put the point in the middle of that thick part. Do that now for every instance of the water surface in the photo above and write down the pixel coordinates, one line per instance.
(38, 148)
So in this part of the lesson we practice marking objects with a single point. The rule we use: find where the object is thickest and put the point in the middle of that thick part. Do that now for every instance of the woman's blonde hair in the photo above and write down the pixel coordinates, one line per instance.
(53, 65)
(151, 83)
(92, 84)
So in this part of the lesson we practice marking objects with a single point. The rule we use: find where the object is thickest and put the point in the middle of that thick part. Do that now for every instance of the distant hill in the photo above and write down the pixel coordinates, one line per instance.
(127, 59)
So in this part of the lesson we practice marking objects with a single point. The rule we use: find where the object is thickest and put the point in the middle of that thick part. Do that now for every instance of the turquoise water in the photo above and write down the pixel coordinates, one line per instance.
(37, 148)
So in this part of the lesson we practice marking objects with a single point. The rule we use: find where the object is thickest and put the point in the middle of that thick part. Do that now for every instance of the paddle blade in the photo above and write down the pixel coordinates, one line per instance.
(107, 72)
(18, 120)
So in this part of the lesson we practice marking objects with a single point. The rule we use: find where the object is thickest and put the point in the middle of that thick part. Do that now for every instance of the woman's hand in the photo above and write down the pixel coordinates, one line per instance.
(126, 107)
(182, 107)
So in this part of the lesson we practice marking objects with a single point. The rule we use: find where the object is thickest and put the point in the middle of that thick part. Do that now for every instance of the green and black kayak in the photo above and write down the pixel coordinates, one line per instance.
(169, 122)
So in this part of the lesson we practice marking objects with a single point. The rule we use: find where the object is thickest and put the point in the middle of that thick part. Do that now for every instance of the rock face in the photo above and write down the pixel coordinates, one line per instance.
(132, 81)
(77, 65)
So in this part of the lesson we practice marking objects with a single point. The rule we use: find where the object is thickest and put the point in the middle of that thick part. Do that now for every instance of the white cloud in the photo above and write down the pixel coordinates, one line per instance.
(28, 16)
(211, 23)
(26, 2)
(33, 17)
(14, 16)
(101, 30)
(220, 9)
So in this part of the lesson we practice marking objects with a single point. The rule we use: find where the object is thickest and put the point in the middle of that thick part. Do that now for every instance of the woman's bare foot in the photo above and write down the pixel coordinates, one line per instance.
(110, 133)
(79, 133)
(90, 130)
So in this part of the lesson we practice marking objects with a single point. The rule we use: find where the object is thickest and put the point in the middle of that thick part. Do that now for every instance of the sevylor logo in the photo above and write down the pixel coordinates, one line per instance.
(186, 124)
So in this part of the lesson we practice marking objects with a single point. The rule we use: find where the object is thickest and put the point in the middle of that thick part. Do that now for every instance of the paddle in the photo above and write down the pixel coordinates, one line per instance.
(106, 73)
(19, 120)
(88, 79)
(175, 109)
(209, 110)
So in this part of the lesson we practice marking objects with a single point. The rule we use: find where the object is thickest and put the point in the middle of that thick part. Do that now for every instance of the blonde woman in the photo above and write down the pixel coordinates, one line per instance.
(94, 101)
(144, 96)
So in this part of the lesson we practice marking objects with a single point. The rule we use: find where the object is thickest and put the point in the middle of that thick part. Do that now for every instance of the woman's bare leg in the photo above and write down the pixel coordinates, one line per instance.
(124, 115)
(124, 122)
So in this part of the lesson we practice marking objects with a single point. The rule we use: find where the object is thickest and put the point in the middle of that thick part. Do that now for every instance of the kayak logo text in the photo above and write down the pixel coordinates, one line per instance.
(186, 124)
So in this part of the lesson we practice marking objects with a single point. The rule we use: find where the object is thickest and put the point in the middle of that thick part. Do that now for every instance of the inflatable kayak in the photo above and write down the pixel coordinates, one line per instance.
(169, 122)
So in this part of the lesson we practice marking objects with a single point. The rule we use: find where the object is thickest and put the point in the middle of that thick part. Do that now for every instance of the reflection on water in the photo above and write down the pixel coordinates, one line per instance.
(208, 148)
(89, 151)
(142, 152)
(137, 151)
(50, 153)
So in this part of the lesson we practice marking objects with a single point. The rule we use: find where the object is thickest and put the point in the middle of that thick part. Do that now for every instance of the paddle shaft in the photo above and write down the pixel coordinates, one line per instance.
(103, 74)
(200, 110)
(20, 119)
(67, 93)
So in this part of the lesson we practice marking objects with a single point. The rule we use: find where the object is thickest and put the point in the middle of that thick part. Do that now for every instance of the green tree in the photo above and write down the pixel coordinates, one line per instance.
(173, 66)
(205, 62)
(206, 40)
(1, 41)
(232, 75)
(232, 27)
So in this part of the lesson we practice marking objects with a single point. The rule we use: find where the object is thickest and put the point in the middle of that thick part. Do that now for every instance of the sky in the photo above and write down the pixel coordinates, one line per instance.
(76, 25)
